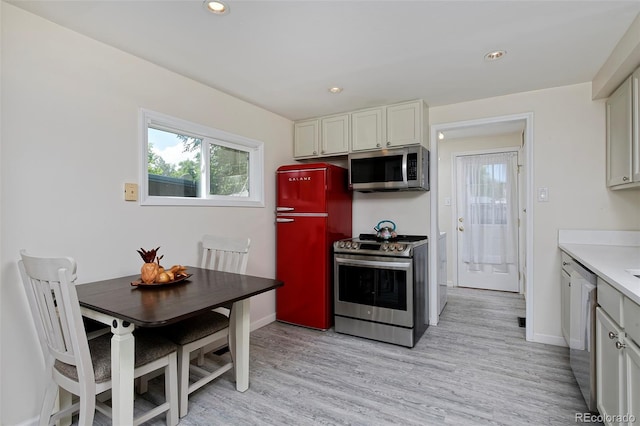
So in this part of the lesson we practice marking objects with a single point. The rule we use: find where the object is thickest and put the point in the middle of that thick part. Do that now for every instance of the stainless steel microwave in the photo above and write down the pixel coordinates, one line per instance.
(398, 169)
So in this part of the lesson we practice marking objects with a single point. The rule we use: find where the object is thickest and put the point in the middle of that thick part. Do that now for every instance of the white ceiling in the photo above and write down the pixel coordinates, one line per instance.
(284, 55)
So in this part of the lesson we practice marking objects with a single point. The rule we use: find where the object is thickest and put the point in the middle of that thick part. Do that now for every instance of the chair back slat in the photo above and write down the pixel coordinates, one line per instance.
(225, 254)
(53, 302)
(47, 292)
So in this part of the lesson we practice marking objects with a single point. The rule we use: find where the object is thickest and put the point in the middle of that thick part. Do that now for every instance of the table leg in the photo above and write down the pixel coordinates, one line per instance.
(239, 325)
(122, 365)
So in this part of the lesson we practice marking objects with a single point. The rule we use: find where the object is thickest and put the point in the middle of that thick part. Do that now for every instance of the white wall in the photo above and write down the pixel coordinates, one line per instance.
(569, 159)
(69, 143)
(447, 149)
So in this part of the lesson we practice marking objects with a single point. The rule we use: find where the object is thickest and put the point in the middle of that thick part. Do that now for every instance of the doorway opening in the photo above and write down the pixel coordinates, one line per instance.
(489, 128)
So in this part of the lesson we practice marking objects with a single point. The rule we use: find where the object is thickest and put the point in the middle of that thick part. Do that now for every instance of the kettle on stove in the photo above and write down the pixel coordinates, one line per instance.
(385, 232)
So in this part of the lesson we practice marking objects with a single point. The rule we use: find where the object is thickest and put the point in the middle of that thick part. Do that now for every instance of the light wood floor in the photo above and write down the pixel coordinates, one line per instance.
(474, 368)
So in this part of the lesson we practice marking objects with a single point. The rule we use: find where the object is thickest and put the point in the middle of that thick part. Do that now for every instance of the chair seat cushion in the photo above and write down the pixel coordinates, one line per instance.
(195, 328)
(148, 347)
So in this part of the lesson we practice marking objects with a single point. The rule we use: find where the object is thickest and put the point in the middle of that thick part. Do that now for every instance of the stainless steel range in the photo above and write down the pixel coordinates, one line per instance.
(381, 288)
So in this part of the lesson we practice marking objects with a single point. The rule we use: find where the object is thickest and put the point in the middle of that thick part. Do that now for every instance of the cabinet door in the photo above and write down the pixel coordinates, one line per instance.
(619, 135)
(335, 134)
(368, 129)
(635, 149)
(565, 304)
(632, 361)
(610, 381)
(306, 138)
(404, 124)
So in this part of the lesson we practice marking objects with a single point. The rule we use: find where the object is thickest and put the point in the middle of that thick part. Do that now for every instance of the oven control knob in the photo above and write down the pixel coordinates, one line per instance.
(348, 244)
(355, 246)
(341, 244)
(399, 247)
(385, 247)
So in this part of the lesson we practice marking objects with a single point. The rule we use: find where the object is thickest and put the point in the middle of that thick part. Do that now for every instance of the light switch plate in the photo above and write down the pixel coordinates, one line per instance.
(131, 192)
(543, 195)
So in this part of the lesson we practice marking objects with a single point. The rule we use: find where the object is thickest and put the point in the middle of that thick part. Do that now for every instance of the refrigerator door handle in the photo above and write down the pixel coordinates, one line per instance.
(283, 220)
(284, 209)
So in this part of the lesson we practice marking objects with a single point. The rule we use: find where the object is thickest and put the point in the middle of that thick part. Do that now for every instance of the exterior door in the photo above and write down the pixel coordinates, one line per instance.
(487, 221)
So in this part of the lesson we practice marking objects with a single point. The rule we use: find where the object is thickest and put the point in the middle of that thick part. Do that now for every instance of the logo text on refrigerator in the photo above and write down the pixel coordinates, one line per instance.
(296, 179)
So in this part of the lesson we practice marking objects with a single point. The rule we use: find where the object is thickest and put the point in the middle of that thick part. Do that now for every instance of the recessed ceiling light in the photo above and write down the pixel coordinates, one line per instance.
(335, 89)
(495, 55)
(216, 6)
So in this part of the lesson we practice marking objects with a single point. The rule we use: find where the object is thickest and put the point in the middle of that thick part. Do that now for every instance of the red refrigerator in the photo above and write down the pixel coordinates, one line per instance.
(313, 210)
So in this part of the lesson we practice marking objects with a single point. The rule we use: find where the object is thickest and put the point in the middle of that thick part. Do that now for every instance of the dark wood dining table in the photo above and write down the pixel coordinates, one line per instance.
(124, 307)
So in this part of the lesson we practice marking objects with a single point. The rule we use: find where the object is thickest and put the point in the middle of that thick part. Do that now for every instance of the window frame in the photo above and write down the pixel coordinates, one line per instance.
(209, 136)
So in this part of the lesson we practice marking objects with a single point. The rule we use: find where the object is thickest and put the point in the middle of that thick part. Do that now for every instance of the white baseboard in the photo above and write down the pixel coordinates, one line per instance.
(31, 422)
(262, 322)
(549, 339)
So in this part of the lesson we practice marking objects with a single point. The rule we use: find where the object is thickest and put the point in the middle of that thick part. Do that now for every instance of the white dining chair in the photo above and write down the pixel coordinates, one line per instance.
(77, 364)
(206, 332)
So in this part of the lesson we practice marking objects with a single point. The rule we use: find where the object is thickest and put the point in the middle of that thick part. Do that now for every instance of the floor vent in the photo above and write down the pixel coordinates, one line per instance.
(522, 321)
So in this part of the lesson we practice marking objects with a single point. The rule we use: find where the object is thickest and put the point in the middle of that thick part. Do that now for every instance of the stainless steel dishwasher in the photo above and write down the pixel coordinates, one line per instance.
(579, 304)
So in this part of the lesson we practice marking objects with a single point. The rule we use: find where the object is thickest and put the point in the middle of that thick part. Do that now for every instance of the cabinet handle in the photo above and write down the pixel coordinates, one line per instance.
(612, 335)
(565, 263)
(620, 345)
(315, 152)
(625, 179)
(377, 145)
(388, 143)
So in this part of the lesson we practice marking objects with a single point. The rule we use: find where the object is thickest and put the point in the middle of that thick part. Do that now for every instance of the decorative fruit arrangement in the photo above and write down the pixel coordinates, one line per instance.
(152, 272)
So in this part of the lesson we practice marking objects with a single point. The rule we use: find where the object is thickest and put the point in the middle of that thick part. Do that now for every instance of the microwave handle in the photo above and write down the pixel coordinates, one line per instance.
(405, 158)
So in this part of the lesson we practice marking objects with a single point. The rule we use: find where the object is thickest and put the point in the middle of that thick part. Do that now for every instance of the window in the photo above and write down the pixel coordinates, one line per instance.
(188, 164)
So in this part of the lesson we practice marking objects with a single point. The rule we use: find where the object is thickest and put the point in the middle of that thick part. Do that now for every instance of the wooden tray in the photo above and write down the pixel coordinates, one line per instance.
(140, 283)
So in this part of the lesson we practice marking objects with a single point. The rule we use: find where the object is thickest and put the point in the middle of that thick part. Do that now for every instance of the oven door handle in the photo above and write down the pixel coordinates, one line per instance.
(388, 264)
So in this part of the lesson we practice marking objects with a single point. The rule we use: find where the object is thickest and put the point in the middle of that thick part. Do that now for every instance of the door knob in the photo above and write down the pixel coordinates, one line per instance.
(460, 219)
(461, 228)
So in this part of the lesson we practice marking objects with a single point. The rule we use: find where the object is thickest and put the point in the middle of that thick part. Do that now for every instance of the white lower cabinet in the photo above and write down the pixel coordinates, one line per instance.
(618, 373)
(632, 364)
(610, 381)
(565, 303)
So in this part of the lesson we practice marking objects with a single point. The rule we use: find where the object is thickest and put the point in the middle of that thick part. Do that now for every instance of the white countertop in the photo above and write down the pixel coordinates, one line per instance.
(607, 254)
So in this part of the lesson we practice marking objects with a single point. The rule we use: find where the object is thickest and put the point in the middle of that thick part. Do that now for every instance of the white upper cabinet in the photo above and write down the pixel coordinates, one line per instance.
(335, 132)
(307, 138)
(623, 148)
(368, 129)
(381, 127)
(635, 148)
(404, 124)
